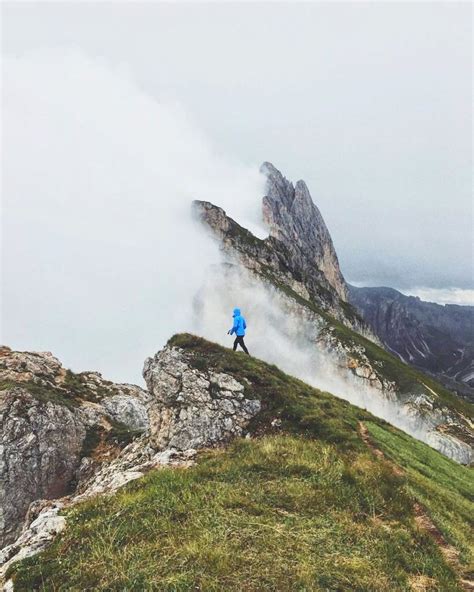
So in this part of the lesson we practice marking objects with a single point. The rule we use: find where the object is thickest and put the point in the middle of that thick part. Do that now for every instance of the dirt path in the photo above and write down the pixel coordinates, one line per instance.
(424, 522)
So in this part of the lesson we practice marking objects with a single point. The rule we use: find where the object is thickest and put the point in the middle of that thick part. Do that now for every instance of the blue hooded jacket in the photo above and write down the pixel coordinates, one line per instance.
(239, 324)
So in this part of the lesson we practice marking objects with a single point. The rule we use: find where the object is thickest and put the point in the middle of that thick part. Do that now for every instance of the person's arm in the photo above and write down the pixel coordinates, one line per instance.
(234, 328)
(245, 324)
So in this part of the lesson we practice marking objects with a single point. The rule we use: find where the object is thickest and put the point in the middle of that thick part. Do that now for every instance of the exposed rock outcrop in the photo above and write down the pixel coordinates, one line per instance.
(187, 409)
(51, 419)
(192, 408)
(40, 447)
(294, 219)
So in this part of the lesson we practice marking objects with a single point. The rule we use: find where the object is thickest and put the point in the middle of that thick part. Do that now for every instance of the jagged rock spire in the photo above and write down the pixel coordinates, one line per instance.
(293, 218)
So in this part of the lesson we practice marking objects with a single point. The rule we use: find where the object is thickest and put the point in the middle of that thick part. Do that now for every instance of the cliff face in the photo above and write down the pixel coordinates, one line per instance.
(40, 452)
(285, 261)
(298, 252)
(50, 421)
(293, 218)
(435, 338)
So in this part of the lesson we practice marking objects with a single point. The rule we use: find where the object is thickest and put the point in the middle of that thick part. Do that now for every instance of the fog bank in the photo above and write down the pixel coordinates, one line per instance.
(101, 257)
(278, 335)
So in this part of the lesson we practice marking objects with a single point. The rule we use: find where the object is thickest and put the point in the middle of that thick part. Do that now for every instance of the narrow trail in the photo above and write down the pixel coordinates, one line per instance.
(431, 390)
(423, 521)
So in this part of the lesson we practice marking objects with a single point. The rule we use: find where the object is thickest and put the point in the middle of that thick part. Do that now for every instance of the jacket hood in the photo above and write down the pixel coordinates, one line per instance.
(236, 312)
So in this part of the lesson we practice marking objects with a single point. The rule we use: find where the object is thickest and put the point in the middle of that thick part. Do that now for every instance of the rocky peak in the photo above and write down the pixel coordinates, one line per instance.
(298, 254)
(293, 218)
(277, 185)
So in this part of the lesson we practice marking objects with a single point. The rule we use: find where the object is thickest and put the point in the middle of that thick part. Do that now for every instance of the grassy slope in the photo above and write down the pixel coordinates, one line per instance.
(408, 378)
(71, 393)
(306, 506)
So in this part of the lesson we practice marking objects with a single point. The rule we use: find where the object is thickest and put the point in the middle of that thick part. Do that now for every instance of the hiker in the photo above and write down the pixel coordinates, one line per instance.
(239, 329)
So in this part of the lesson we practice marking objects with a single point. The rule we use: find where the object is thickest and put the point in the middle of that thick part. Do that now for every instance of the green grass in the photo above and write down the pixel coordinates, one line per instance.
(42, 393)
(280, 513)
(70, 393)
(445, 488)
(408, 379)
(307, 507)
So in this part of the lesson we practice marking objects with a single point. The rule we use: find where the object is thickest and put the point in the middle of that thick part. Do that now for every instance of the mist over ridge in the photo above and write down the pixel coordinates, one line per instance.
(103, 256)
(237, 300)
(101, 226)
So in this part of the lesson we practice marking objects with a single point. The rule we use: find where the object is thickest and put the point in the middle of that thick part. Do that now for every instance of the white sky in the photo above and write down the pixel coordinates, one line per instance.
(370, 103)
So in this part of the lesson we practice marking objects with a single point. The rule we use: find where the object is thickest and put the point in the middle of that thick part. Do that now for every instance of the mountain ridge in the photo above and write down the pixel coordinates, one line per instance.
(157, 480)
(435, 338)
(332, 324)
(310, 465)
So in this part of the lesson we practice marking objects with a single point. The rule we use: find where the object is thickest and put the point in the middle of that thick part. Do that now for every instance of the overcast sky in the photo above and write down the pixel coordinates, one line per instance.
(369, 103)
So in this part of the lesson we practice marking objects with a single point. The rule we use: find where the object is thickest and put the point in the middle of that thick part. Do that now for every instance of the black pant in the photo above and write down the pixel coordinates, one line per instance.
(239, 340)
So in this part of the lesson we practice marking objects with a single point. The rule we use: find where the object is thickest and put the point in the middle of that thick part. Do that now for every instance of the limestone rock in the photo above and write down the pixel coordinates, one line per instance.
(193, 408)
(40, 446)
(186, 409)
(36, 537)
(294, 219)
(127, 409)
(50, 418)
(451, 447)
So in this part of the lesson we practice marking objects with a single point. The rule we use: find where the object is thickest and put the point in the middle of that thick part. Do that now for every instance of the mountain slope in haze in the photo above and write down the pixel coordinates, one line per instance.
(438, 339)
(319, 495)
(291, 262)
(298, 252)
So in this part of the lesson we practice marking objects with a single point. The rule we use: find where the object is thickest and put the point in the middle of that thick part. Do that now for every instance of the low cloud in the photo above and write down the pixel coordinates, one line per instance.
(102, 261)
(287, 336)
(443, 295)
(101, 258)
